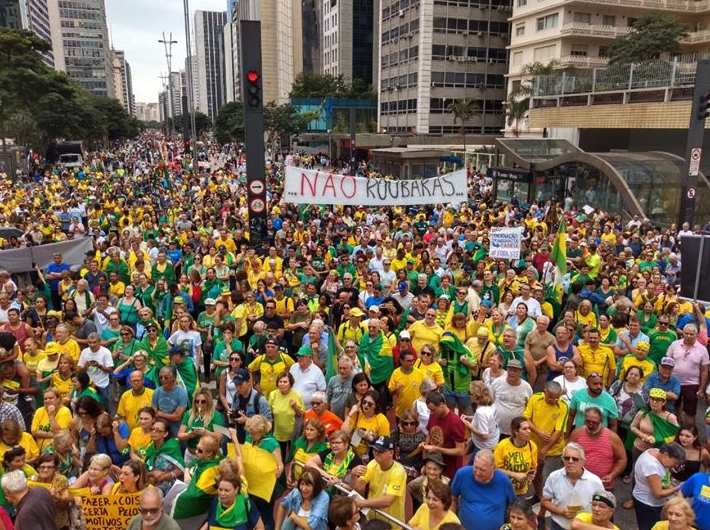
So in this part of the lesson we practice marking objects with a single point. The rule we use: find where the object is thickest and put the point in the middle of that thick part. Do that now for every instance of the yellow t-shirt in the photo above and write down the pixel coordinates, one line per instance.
(41, 422)
(587, 518)
(410, 388)
(139, 441)
(65, 386)
(31, 361)
(548, 418)
(423, 334)
(431, 371)
(421, 519)
(130, 404)
(283, 413)
(71, 348)
(600, 360)
(269, 371)
(647, 366)
(517, 459)
(27, 442)
(378, 425)
(392, 481)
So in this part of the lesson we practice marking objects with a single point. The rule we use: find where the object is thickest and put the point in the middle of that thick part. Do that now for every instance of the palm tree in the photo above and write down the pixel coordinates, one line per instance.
(515, 110)
(463, 110)
(529, 71)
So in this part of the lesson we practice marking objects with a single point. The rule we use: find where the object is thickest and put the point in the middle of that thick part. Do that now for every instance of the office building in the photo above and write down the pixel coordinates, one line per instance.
(281, 43)
(350, 39)
(209, 51)
(123, 82)
(32, 15)
(312, 24)
(82, 44)
(433, 54)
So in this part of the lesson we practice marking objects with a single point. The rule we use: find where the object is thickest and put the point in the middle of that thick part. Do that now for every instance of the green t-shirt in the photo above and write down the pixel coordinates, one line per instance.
(199, 422)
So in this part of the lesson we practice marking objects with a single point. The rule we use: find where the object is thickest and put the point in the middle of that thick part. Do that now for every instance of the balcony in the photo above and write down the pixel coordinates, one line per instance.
(584, 62)
(580, 29)
(686, 6)
(695, 37)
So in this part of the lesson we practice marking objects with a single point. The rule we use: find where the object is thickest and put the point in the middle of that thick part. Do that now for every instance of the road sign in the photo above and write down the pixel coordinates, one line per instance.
(691, 193)
(256, 187)
(694, 167)
(257, 205)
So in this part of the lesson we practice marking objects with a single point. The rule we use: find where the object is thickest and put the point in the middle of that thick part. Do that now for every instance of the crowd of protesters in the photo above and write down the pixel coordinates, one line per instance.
(249, 384)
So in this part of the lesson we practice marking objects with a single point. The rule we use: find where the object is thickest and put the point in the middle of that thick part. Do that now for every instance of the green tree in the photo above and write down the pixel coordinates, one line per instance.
(653, 34)
(283, 120)
(538, 69)
(229, 124)
(516, 108)
(464, 110)
(321, 86)
(202, 123)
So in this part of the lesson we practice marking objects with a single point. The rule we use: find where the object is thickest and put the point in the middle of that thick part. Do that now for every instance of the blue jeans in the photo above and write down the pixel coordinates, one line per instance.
(103, 394)
(458, 399)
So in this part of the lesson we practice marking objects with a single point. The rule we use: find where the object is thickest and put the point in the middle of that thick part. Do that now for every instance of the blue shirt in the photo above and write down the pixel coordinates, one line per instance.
(54, 267)
(169, 402)
(693, 488)
(672, 385)
(482, 506)
(318, 518)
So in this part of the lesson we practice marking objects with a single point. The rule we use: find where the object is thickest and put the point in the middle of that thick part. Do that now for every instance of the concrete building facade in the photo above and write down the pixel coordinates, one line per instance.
(209, 51)
(32, 15)
(435, 52)
(123, 81)
(83, 44)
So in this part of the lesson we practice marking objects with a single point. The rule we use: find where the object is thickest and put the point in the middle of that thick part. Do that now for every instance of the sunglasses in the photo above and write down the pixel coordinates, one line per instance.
(203, 401)
(368, 403)
(570, 458)
(149, 511)
(235, 359)
(315, 403)
(409, 423)
(426, 354)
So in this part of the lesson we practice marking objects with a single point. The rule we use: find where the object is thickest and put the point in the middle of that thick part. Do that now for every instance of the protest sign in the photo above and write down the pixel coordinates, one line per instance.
(505, 243)
(109, 511)
(305, 186)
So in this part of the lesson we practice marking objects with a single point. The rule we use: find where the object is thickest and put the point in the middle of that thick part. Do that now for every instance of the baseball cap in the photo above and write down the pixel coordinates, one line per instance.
(382, 443)
(657, 393)
(304, 350)
(668, 361)
(356, 312)
(374, 308)
(210, 301)
(272, 341)
(405, 335)
(514, 363)
(241, 376)
(52, 348)
(278, 287)
(402, 286)
(177, 349)
(606, 497)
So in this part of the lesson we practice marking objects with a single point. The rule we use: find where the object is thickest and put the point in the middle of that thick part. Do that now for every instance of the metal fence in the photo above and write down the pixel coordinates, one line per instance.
(618, 77)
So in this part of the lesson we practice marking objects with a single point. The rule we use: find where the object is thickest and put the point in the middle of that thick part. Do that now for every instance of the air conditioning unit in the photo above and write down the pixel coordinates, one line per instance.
(480, 34)
(461, 58)
(473, 59)
(451, 57)
(490, 61)
(401, 12)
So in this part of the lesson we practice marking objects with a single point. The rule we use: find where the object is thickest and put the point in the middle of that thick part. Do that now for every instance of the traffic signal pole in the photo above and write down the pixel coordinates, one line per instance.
(253, 96)
(694, 148)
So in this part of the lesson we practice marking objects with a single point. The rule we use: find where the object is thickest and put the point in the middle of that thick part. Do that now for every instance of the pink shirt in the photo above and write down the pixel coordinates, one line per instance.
(688, 361)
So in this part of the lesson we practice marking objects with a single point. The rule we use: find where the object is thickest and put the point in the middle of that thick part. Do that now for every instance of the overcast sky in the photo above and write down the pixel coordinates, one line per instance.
(137, 25)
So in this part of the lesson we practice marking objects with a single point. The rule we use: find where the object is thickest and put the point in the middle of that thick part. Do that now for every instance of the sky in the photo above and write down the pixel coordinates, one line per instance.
(136, 26)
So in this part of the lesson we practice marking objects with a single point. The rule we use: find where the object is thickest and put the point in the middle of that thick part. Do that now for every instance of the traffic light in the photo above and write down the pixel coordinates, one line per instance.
(253, 89)
(703, 107)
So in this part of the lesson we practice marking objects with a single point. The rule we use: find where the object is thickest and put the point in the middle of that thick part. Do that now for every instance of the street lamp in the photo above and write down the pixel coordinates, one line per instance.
(168, 44)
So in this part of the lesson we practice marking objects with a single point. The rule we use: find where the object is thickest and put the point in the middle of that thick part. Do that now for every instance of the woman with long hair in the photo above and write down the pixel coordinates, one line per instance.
(306, 506)
(312, 442)
(201, 418)
(335, 463)
(366, 421)
(696, 455)
(286, 407)
(163, 458)
(130, 479)
(140, 437)
(517, 456)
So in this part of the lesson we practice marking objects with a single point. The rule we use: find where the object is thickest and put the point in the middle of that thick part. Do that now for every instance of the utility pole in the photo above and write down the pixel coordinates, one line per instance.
(166, 105)
(168, 44)
(190, 93)
(699, 112)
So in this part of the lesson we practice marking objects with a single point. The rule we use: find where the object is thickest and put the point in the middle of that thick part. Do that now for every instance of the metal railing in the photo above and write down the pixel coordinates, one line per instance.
(617, 78)
(596, 30)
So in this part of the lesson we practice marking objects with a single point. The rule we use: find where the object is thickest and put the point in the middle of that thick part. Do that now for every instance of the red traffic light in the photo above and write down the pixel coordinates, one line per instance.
(252, 76)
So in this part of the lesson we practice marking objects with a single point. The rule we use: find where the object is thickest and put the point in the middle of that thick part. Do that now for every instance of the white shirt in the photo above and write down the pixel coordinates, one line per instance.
(645, 466)
(101, 356)
(558, 489)
(510, 401)
(308, 382)
(485, 419)
(101, 321)
(534, 309)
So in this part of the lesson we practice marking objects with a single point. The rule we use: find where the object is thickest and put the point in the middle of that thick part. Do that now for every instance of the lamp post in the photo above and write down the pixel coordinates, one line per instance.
(190, 94)
(168, 44)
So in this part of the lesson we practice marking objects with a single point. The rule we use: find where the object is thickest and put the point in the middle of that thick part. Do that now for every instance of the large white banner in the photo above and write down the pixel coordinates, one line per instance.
(505, 243)
(306, 186)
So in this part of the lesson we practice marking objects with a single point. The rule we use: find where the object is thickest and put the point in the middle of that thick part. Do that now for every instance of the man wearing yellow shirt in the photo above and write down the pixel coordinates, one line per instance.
(132, 402)
(266, 367)
(597, 357)
(226, 240)
(65, 344)
(548, 422)
(387, 480)
(404, 383)
(426, 331)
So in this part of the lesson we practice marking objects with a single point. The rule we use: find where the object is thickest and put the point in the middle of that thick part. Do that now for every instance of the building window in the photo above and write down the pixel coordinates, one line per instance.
(608, 20)
(520, 29)
(543, 53)
(548, 22)
(517, 58)
(583, 18)
(603, 51)
(579, 50)
(522, 3)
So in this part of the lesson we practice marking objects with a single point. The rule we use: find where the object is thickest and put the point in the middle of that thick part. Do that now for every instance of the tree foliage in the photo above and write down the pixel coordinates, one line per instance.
(464, 110)
(202, 123)
(229, 124)
(321, 86)
(653, 34)
(38, 103)
(516, 108)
